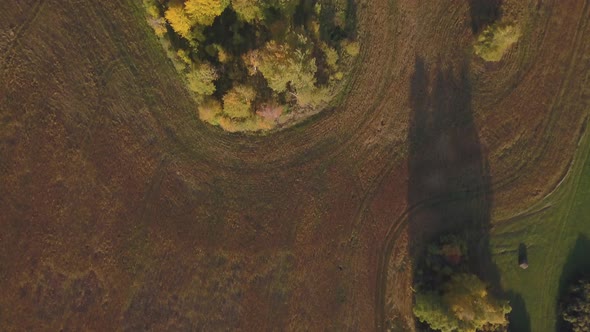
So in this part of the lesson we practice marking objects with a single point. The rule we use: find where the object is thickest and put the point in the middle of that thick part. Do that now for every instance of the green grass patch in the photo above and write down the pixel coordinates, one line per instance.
(555, 232)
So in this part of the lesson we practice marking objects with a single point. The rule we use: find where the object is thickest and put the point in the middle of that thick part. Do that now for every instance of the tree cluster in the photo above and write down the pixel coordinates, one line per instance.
(575, 308)
(449, 297)
(250, 63)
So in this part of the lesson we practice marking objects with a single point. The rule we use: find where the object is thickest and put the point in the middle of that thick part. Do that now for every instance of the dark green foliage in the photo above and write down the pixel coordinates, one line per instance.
(576, 306)
(442, 259)
(449, 297)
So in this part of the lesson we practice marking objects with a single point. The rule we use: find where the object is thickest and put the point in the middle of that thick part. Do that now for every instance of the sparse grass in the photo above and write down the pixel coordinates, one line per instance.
(550, 236)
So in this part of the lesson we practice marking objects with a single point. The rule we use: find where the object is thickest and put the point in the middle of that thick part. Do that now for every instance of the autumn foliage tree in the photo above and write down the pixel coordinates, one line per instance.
(204, 12)
(254, 64)
(178, 18)
(449, 298)
(200, 79)
(462, 304)
(282, 64)
(249, 10)
(237, 102)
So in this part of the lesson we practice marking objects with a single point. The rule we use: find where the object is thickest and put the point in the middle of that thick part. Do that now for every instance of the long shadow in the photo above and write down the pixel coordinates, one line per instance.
(576, 266)
(522, 255)
(483, 13)
(520, 320)
(449, 182)
(447, 165)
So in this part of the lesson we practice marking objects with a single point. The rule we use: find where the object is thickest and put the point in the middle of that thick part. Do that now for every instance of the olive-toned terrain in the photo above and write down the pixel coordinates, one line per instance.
(121, 210)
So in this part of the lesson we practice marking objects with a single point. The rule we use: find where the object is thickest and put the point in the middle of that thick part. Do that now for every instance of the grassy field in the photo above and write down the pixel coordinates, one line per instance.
(120, 210)
(556, 232)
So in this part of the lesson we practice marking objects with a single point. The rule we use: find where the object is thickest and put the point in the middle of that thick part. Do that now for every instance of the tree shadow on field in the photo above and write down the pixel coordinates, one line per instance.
(483, 13)
(520, 320)
(449, 183)
(576, 266)
(522, 254)
(448, 175)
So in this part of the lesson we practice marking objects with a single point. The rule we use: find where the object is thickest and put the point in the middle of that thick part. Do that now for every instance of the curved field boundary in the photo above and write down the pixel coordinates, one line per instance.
(498, 183)
(326, 134)
(549, 231)
(393, 233)
(539, 150)
(398, 226)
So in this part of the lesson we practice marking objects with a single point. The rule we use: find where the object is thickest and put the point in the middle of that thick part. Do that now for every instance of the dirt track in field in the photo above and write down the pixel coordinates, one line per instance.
(119, 209)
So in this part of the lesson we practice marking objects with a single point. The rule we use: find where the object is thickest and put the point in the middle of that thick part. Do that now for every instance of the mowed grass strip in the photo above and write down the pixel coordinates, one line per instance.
(555, 232)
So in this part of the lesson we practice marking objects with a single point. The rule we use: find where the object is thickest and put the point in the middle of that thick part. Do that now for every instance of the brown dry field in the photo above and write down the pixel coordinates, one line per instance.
(120, 210)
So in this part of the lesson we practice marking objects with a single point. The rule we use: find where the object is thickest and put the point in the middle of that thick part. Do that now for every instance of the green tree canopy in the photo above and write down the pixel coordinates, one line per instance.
(462, 305)
(281, 64)
(287, 6)
(248, 10)
(200, 79)
(576, 306)
(204, 12)
(237, 102)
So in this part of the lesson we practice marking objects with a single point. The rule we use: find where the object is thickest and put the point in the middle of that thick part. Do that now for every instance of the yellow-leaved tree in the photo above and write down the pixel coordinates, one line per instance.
(204, 12)
(201, 79)
(464, 306)
(178, 18)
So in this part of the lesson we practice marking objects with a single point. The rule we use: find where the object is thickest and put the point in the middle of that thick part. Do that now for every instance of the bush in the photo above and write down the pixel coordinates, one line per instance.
(204, 12)
(210, 111)
(495, 40)
(576, 306)
(449, 298)
(463, 304)
(352, 49)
